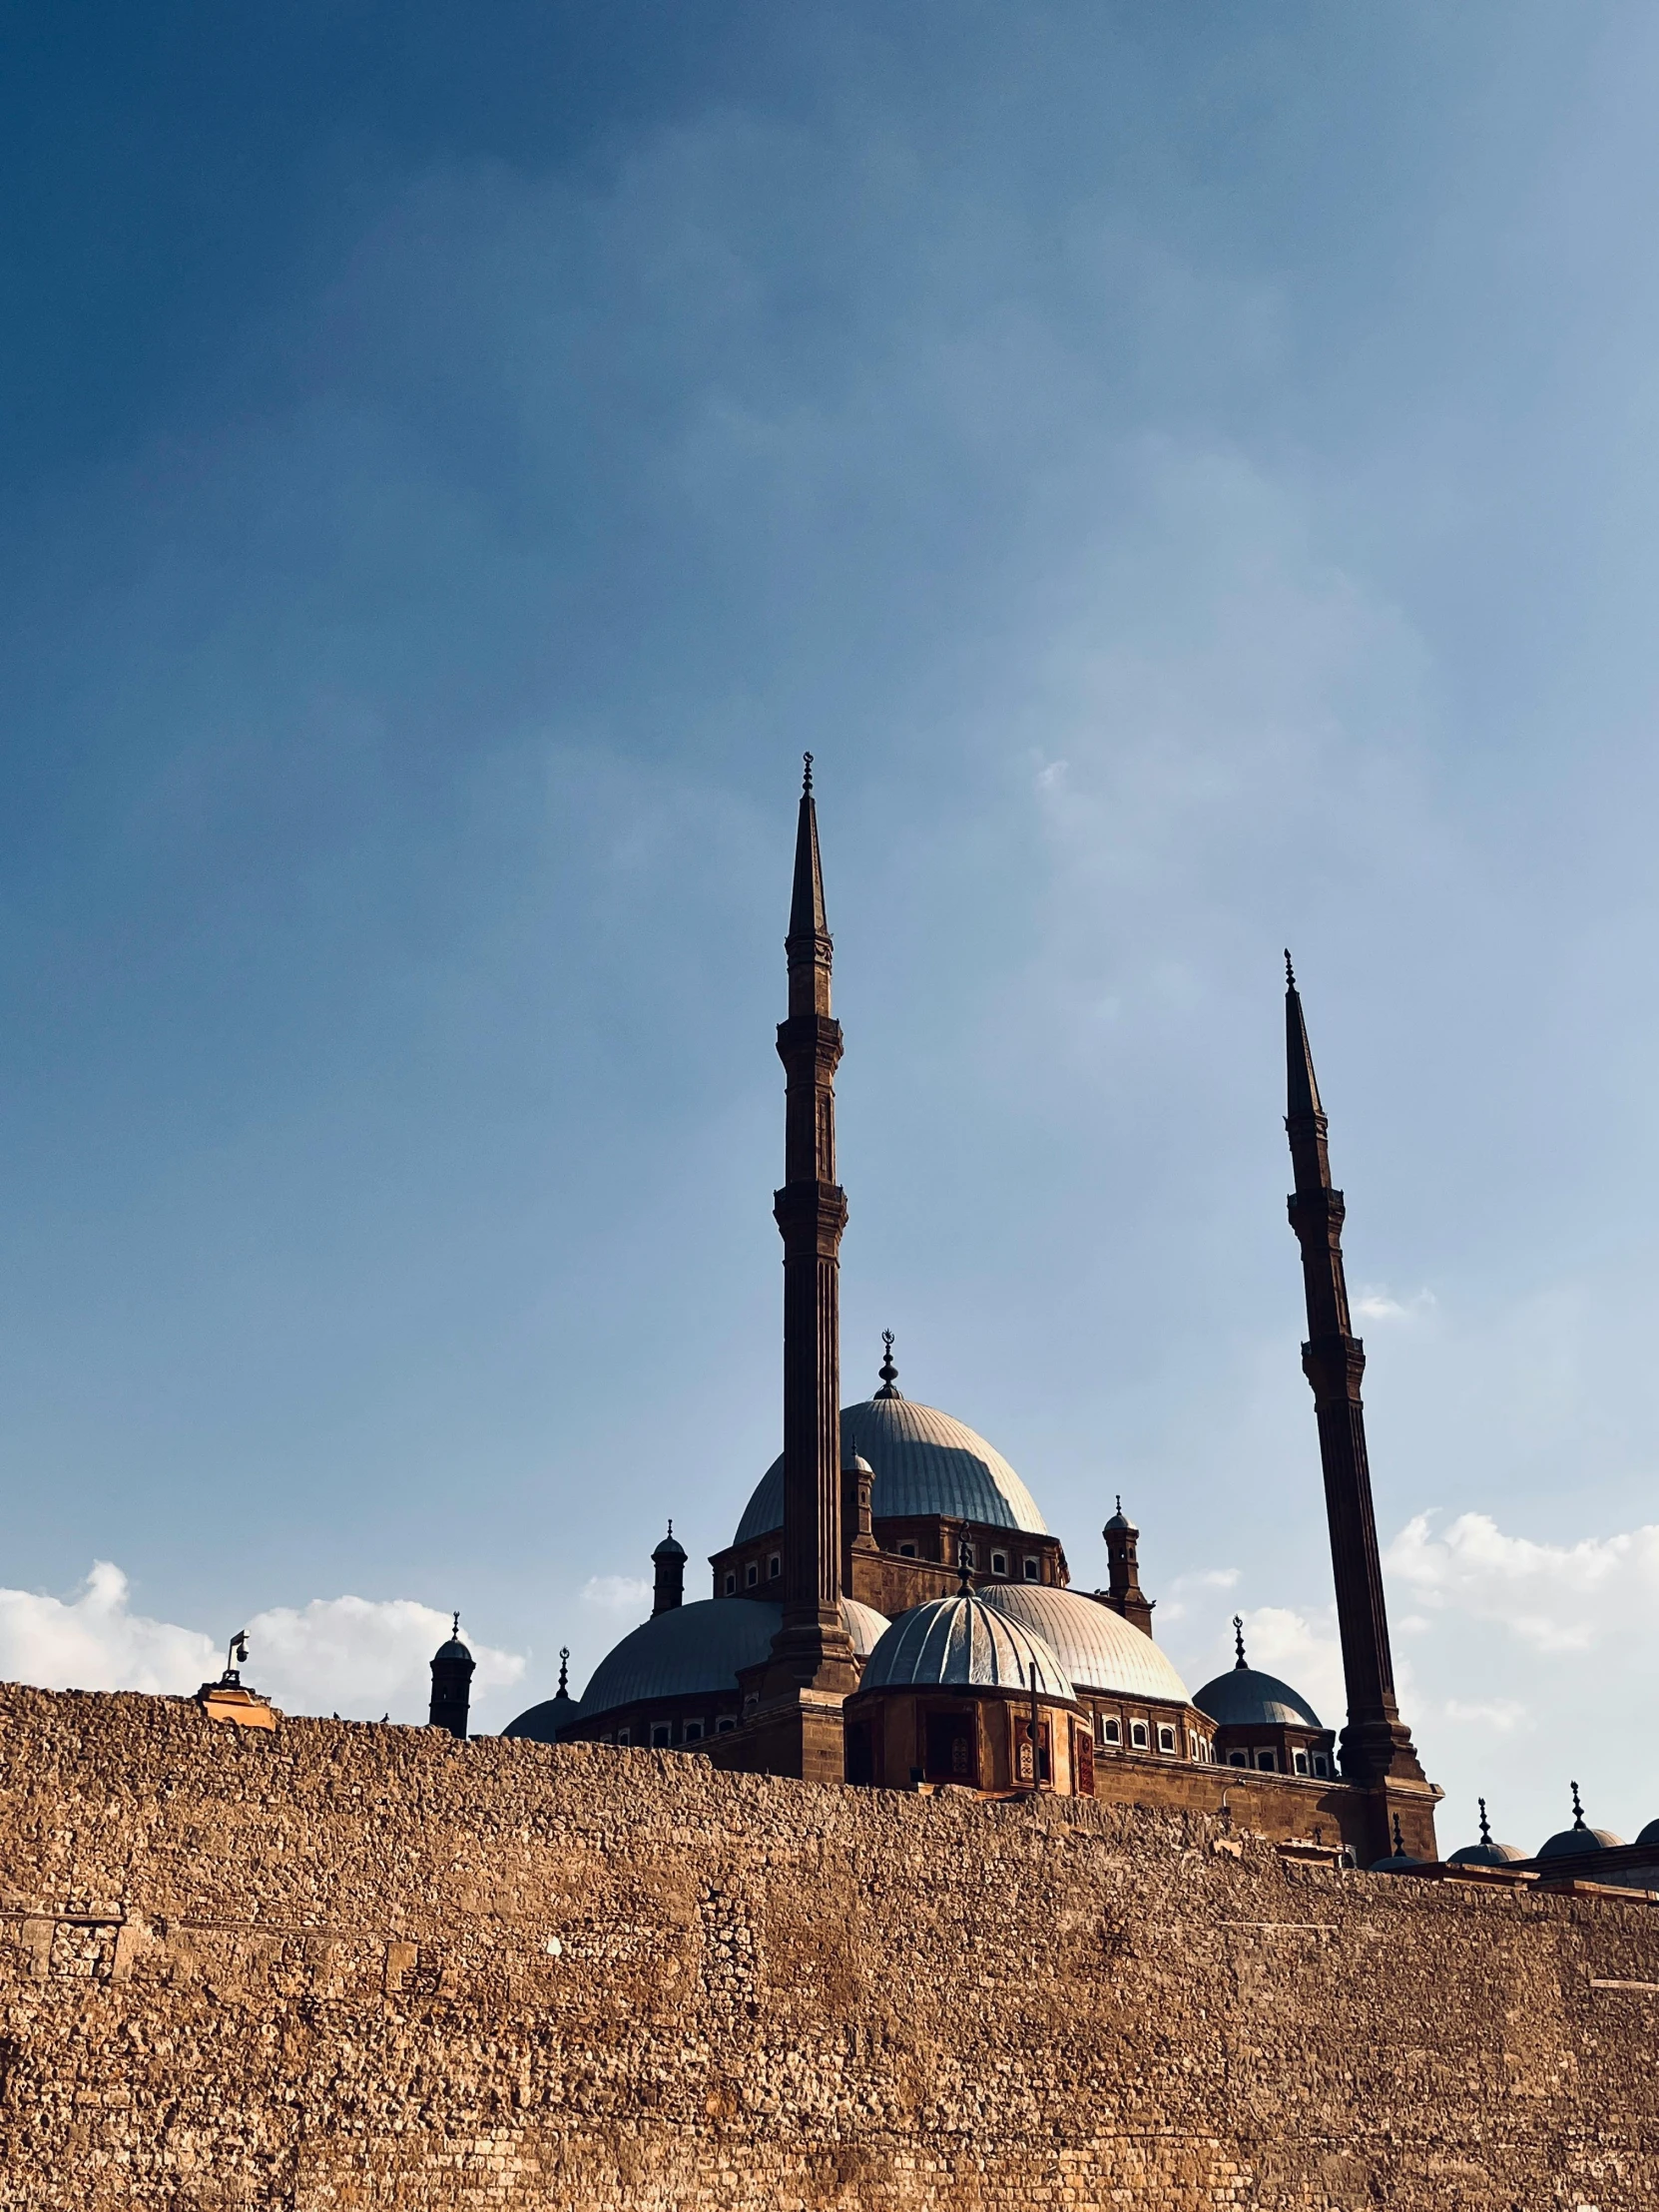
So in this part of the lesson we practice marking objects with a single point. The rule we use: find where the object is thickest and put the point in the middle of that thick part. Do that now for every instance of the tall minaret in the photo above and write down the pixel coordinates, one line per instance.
(813, 1647)
(1375, 1745)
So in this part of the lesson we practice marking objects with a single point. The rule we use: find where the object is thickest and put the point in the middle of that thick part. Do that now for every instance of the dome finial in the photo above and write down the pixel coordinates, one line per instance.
(1485, 1824)
(806, 771)
(1290, 973)
(965, 1564)
(456, 1624)
(1577, 1807)
(1400, 1842)
(887, 1371)
(564, 1670)
(1237, 1639)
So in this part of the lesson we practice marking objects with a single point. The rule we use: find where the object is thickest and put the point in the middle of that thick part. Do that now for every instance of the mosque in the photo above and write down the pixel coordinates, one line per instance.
(894, 1611)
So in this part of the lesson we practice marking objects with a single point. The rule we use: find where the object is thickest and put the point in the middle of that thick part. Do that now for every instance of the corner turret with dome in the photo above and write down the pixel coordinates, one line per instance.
(893, 1609)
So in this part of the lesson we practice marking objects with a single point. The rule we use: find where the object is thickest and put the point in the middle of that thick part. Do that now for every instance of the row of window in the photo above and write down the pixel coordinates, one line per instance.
(660, 1734)
(1032, 1568)
(1109, 1735)
(1312, 1765)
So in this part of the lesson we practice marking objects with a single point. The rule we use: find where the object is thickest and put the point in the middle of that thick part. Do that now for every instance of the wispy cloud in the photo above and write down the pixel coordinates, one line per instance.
(616, 1593)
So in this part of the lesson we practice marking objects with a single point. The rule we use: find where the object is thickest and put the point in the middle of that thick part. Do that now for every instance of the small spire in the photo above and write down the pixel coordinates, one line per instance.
(964, 1566)
(1577, 1807)
(887, 1371)
(1290, 973)
(1302, 1087)
(1399, 1845)
(1485, 1824)
(454, 1624)
(806, 771)
(1120, 1501)
(671, 1524)
(564, 1670)
(807, 916)
(1238, 1638)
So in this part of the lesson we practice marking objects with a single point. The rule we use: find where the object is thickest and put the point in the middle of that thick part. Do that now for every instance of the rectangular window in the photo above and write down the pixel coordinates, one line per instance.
(1299, 1760)
(775, 1566)
(692, 1733)
(1000, 1564)
(1139, 1736)
(950, 1748)
(1033, 1571)
(662, 1735)
(1166, 1738)
(1267, 1762)
(1111, 1730)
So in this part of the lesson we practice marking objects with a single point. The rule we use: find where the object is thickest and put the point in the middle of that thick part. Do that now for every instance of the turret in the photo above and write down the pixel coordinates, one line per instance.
(1123, 1579)
(669, 1559)
(452, 1667)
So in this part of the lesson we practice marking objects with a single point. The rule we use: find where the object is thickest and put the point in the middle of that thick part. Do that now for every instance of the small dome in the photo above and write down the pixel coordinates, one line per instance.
(454, 1648)
(1245, 1697)
(961, 1641)
(924, 1462)
(671, 1547)
(1396, 1863)
(699, 1648)
(1650, 1834)
(1097, 1648)
(546, 1722)
(1573, 1843)
(1487, 1854)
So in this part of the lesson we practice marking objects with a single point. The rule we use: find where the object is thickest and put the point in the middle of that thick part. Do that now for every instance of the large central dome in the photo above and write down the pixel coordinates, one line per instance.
(924, 1463)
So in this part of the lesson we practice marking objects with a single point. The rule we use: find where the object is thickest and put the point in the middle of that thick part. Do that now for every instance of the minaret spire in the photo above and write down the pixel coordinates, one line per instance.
(813, 1649)
(1377, 1746)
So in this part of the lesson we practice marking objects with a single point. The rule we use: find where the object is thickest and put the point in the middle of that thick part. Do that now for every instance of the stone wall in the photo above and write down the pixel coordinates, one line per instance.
(346, 1966)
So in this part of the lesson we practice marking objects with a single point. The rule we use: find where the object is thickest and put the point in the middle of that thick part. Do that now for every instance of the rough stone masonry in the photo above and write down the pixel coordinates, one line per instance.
(335, 1966)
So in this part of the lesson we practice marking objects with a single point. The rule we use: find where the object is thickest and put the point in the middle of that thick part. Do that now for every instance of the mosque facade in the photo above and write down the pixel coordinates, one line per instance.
(894, 1611)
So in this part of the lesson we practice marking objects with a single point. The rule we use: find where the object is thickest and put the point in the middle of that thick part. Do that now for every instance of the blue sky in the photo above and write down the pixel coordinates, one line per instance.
(1190, 477)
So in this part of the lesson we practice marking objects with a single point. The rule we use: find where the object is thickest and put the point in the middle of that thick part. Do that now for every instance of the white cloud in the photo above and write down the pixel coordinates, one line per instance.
(90, 1641)
(617, 1593)
(356, 1656)
(362, 1657)
(1376, 1304)
(1555, 1598)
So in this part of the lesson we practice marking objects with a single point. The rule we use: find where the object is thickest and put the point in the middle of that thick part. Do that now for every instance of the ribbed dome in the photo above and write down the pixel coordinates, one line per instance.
(924, 1462)
(961, 1642)
(700, 1647)
(1245, 1697)
(1098, 1648)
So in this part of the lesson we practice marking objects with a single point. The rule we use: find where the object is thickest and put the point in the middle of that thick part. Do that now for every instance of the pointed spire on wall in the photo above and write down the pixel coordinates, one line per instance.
(807, 916)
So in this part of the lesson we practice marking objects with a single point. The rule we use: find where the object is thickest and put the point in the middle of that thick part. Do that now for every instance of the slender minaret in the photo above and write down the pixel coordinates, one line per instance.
(1375, 1745)
(813, 1647)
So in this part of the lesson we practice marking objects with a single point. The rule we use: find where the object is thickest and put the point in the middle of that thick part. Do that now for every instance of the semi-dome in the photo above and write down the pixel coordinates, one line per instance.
(924, 1462)
(961, 1642)
(699, 1648)
(1097, 1648)
(1246, 1697)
